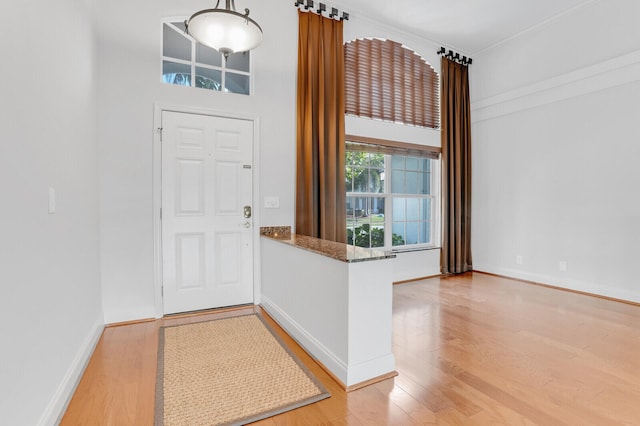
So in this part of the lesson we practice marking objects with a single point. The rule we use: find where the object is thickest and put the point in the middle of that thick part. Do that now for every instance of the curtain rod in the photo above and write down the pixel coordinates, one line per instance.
(334, 14)
(454, 56)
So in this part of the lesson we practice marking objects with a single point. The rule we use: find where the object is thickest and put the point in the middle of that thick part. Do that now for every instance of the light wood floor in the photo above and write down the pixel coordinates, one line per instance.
(474, 349)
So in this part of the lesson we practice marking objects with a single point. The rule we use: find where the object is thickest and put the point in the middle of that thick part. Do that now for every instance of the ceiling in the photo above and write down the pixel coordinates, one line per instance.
(467, 26)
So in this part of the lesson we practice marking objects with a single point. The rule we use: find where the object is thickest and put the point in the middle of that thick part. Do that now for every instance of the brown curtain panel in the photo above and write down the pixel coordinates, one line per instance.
(320, 181)
(456, 169)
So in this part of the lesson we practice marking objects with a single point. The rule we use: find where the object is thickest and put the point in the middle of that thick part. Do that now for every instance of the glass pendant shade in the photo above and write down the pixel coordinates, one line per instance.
(225, 30)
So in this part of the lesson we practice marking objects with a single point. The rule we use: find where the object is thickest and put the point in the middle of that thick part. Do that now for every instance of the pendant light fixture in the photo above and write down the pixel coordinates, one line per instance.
(225, 30)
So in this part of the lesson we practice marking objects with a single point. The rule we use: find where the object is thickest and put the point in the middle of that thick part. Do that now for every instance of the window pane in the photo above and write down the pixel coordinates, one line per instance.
(359, 178)
(397, 182)
(375, 181)
(208, 56)
(376, 219)
(425, 209)
(425, 183)
(351, 202)
(348, 174)
(413, 209)
(398, 209)
(412, 233)
(397, 161)
(376, 161)
(412, 163)
(350, 206)
(365, 221)
(377, 236)
(359, 207)
(398, 234)
(239, 61)
(174, 73)
(348, 158)
(425, 232)
(237, 83)
(174, 44)
(377, 209)
(208, 79)
(181, 26)
(426, 164)
(412, 183)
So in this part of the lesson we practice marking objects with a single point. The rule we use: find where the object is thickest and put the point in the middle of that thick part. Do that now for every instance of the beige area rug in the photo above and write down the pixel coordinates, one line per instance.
(229, 371)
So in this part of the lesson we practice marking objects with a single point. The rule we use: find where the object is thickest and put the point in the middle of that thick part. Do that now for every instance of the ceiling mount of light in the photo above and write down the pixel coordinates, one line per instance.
(225, 30)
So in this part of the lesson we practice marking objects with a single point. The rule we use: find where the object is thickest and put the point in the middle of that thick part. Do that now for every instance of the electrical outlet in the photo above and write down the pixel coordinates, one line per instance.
(562, 266)
(519, 260)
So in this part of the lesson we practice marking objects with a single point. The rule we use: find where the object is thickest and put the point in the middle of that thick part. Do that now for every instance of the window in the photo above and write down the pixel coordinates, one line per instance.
(392, 188)
(186, 62)
(391, 196)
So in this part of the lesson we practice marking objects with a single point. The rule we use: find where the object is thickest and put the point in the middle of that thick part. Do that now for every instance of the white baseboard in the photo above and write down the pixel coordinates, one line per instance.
(310, 344)
(377, 367)
(134, 314)
(565, 283)
(58, 404)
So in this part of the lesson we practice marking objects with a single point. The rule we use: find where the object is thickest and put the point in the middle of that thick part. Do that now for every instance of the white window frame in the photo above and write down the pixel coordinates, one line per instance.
(388, 196)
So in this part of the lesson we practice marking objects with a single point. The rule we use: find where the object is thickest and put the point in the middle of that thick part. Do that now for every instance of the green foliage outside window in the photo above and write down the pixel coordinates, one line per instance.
(362, 172)
(365, 236)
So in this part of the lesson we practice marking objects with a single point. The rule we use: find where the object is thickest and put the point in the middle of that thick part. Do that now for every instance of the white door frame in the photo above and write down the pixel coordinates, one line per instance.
(157, 193)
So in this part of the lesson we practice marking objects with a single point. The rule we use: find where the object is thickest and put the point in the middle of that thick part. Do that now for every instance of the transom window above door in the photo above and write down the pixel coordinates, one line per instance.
(185, 62)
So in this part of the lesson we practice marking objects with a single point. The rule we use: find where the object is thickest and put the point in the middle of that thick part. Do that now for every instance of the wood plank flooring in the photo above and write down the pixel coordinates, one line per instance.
(471, 349)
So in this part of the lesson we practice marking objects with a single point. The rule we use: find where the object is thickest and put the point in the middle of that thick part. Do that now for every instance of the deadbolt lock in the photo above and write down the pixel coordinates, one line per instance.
(247, 212)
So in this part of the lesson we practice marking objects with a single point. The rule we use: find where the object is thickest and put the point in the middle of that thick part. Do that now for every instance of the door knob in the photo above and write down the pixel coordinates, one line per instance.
(247, 224)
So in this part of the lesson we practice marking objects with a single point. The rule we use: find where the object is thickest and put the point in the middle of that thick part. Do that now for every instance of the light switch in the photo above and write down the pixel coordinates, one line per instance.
(52, 200)
(272, 202)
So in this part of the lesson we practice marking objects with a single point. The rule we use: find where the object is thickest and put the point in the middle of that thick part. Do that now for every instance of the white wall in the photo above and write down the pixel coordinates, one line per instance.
(129, 42)
(411, 265)
(555, 152)
(50, 309)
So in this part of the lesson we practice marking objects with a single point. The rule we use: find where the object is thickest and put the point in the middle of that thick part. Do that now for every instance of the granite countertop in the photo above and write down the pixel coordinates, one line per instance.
(338, 251)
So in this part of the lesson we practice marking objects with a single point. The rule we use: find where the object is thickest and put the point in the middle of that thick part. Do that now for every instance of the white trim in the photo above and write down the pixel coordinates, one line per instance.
(156, 186)
(159, 107)
(135, 313)
(61, 398)
(362, 372)
(257, 282)
(604, 75)
(565, 283)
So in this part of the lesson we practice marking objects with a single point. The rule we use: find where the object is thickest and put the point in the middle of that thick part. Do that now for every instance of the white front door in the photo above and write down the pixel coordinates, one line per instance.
(207, 245)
